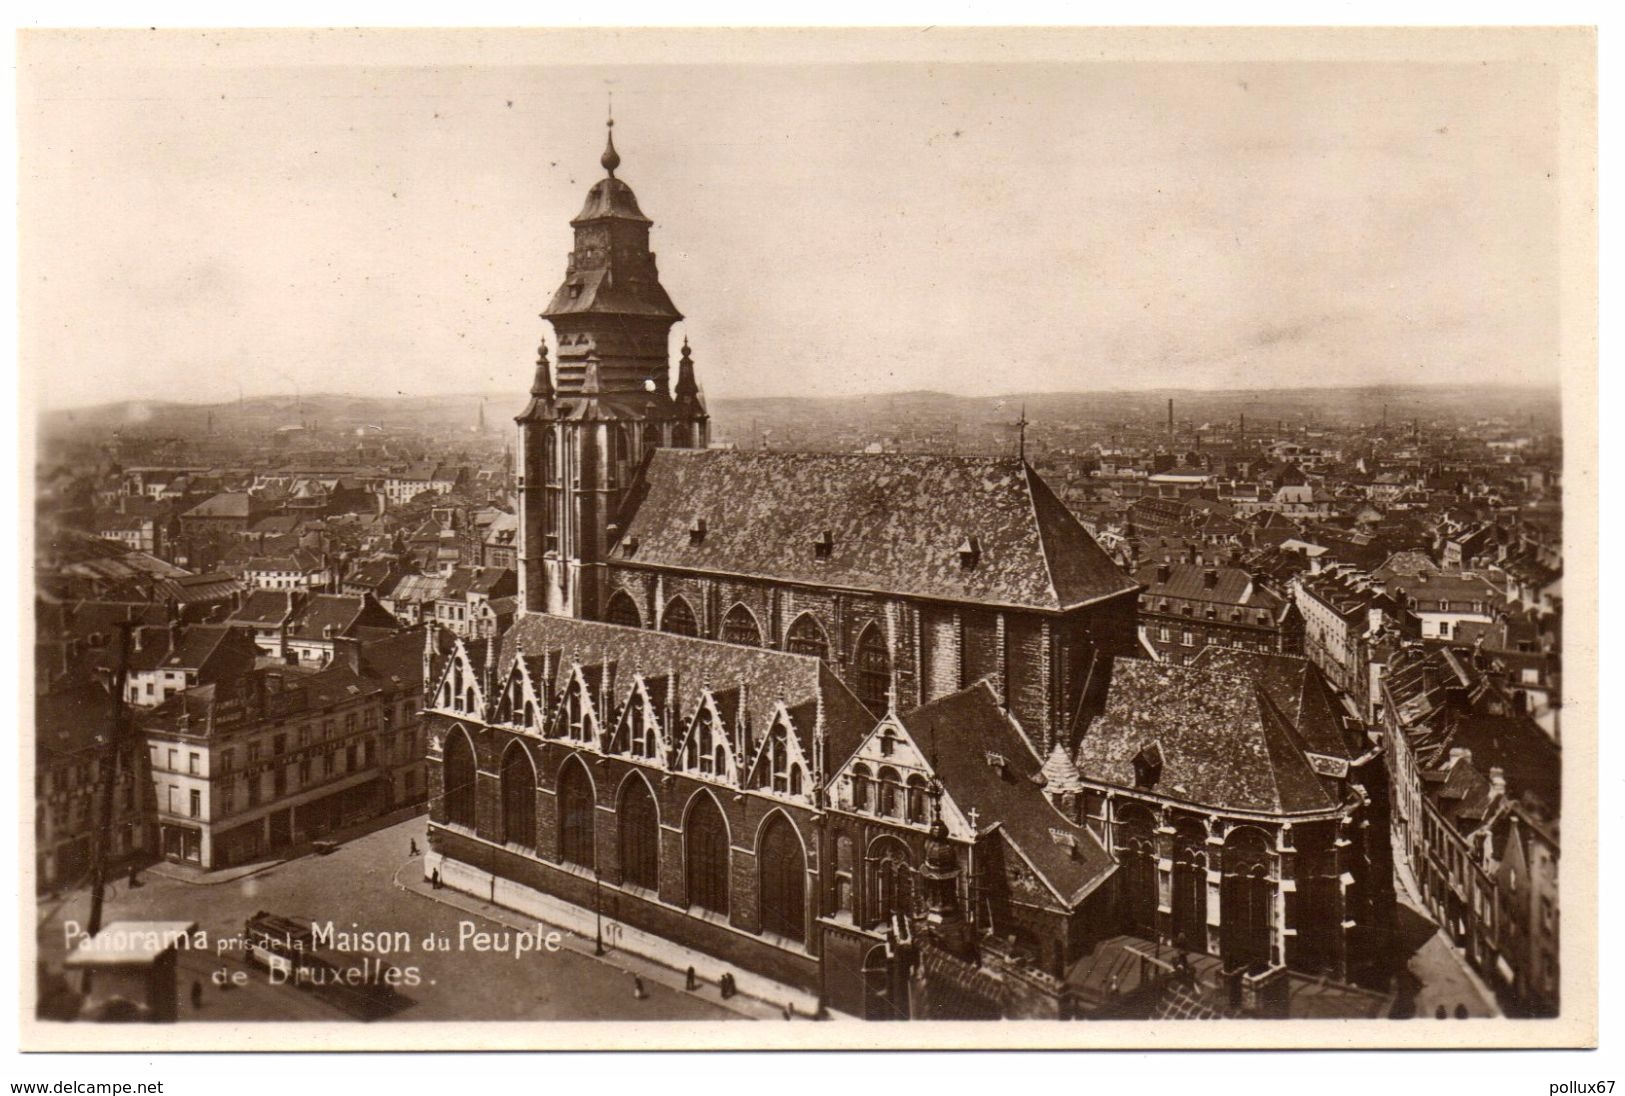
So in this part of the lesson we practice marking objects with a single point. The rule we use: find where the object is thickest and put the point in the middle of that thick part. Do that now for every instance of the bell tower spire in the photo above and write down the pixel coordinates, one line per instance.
(606, 402)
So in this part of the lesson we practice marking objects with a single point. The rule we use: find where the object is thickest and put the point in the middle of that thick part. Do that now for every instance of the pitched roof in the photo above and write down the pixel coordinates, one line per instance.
(1298, 690)
(768, 676)
(1231, 585)
(895, 523)
(1222, 744)
(190, 588)
(228, 504)
(266, 607)
(985, 763)
(341, 612)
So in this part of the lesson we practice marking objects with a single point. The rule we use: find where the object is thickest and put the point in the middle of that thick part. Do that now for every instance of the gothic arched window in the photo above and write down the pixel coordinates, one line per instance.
(518, 798)
(457, 777)
(640, 835)
(740, 627)
(678, 619)
(623, 610)
(873, 665)
(805, 637)
(784, 880)
(576, 813)
(705, 837)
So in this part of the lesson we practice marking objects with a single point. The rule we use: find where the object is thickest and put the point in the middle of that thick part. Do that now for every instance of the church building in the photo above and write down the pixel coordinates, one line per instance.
(815, 715)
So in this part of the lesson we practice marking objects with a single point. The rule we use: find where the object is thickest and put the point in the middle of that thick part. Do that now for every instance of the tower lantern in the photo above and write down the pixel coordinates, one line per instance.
(596, 414)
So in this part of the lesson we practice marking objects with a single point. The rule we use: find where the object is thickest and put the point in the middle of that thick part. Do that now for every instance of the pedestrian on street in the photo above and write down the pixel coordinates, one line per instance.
(789, 1010)
(638, 992)
(414, 850)
(437, 879)
(197, 995)
(690, 982)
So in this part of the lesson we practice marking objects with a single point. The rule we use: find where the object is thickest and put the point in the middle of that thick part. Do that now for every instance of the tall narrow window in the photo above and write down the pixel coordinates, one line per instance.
(873, 666)
(705, 839)
(640, 835)
(1137, 853)
(458, 775)
(576, 813)
(1190, 886)
(1245, 898)
(518, 798)
(862, 791)
(784, 880)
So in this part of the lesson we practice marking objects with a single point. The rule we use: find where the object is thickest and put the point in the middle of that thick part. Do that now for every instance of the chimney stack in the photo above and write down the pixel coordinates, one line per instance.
(347, 652)
(1210, 578)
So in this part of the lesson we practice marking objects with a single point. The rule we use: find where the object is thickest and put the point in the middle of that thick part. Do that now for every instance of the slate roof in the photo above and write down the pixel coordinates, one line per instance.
(959, 731)
(1232, 585)
(215, 647)
(340, 611)
(769, 676)
(1222, 744)
(1297, 689)
(896, 525)
(265, 608)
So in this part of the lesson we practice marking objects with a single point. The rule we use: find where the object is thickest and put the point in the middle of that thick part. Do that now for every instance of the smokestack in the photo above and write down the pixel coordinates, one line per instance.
(1170, 416)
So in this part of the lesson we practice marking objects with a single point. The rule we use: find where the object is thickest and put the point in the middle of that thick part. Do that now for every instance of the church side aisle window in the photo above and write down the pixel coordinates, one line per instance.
(458, 778)
(576, 807)
(640, 835)
(706, 842)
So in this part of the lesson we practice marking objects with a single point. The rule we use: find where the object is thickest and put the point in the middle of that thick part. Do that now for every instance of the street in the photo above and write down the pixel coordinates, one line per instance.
(1440, 977)
(471, 978)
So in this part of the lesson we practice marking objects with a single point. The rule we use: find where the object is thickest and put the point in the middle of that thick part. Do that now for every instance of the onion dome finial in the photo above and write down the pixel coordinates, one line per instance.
(610, 159)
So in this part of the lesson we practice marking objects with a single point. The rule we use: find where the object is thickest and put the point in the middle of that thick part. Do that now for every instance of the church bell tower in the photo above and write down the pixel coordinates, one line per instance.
(583, 437)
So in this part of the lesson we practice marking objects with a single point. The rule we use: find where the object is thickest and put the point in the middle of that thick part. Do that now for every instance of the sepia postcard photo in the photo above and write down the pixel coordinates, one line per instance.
(591, 538)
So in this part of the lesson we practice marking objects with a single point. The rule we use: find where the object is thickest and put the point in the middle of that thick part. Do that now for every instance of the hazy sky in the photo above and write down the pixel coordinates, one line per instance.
(196, 221)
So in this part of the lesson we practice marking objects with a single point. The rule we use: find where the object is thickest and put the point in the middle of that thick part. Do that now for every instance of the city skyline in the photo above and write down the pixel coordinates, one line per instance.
(1115, 226)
